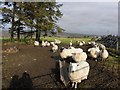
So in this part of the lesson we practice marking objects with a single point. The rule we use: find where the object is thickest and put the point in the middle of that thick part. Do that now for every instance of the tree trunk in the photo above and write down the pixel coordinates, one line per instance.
(18, 34)
(117, 44)
(18, 31)
(31, 34)
(13, 22)
(37, 35)
(12, 32)
(45, 34)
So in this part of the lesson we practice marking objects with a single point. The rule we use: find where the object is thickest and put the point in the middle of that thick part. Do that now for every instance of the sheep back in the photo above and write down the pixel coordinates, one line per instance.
(79, 56)
(93, 52)
(65, 53)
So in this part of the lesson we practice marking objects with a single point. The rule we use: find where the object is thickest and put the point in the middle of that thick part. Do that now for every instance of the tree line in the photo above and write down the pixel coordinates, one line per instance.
(38, 16)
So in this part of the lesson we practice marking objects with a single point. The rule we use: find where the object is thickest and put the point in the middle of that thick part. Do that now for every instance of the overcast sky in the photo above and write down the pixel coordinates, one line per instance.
(99, 18)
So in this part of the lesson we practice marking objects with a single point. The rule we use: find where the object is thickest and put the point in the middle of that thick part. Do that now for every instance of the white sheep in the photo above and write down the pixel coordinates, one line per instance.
(70, 44)
(83, 42)
(36, 43)
(43, 44)
(89, 43)
(104, 54)
(57, 41)
(80, 44)
(71, 47)
(47, 44)
(78, 72)
(54, 48)
(93, 43)
(77, 57)
(101, 46)
(94, 52)
(52, 43)
(76, 50)
(65, 53)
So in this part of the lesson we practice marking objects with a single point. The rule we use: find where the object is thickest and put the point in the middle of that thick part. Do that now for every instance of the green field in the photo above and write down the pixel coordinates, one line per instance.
(62, 39)
(66, 40)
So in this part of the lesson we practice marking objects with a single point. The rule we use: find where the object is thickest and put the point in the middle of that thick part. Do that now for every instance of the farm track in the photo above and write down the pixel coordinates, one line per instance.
(42, 66)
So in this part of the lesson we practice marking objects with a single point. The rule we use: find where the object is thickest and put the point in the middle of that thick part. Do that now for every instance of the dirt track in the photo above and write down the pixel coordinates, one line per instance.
(42, 66)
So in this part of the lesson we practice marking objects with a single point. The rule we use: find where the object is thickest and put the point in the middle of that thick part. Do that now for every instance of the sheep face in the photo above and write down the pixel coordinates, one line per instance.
(54, 48)
(61, 49)
(73, 67)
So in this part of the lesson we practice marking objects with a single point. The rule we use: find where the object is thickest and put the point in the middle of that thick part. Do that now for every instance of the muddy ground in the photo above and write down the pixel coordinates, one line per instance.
(42, 66)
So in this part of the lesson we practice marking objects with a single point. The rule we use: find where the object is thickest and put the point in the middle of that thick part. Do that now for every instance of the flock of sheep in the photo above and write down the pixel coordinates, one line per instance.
(54, 44)
(78, 70)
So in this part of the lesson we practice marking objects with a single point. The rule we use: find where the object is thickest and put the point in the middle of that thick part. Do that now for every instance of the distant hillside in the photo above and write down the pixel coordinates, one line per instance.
(5, 33)
(74, 35)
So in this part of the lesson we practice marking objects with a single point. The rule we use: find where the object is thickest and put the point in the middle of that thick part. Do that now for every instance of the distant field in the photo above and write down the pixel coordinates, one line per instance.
(63, 39)
(66, 40)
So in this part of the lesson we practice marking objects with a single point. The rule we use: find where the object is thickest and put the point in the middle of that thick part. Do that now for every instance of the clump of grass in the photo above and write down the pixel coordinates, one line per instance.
(5, 39)
(22, 41)
(112, 62)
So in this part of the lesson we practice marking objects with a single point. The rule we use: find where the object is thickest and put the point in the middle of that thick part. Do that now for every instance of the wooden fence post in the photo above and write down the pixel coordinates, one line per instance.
(117, 45)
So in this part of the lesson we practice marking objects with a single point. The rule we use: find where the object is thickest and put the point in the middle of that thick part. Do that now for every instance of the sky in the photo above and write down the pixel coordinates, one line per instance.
(89, 17)
(87, 0)
(98, 18)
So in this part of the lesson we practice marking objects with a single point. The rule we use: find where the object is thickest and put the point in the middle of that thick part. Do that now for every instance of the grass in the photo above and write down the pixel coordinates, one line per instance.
(62, 39)
(66, 40)
(5, 39)
(113, 61)
(114, 58)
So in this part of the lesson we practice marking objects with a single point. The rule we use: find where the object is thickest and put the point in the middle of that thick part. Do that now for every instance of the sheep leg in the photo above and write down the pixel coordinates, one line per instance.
(75, 84)
(84, 78)
(96, 60)
(72, 84)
